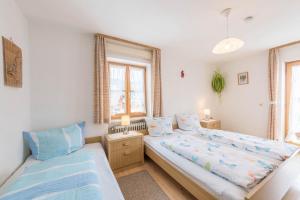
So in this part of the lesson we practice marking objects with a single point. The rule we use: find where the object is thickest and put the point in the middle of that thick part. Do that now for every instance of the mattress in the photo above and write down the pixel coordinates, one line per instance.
(215, 185)
(109, 184)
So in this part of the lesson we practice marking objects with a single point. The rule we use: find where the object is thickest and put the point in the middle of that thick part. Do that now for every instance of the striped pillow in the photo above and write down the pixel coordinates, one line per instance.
(55, 142)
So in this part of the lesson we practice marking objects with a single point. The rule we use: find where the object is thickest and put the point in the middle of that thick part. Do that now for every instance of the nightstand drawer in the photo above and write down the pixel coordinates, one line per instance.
(126, 144)
(214, 125)
(211, 124)
(125, 157)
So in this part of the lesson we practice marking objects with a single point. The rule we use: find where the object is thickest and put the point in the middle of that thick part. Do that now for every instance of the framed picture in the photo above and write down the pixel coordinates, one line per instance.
(12, 60)
(243, 78)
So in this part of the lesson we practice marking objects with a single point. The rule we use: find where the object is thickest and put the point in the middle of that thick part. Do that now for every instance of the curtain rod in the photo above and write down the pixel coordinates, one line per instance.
(127, 41)
(287, 45)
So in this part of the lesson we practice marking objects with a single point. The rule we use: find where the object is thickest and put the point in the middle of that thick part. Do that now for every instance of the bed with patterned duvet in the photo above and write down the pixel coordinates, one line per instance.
(225, 164)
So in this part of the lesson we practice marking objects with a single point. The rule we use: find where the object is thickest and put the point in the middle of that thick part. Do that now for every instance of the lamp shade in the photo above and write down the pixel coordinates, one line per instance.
(125, 120)
(228, 45)
(206, 112)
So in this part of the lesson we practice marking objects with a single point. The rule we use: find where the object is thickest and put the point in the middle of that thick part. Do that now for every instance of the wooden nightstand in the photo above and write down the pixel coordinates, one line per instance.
(124, 151)
(297, 143)
(211, 124)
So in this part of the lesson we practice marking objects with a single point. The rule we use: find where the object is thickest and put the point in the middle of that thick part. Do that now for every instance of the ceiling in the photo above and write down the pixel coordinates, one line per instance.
(191, 27)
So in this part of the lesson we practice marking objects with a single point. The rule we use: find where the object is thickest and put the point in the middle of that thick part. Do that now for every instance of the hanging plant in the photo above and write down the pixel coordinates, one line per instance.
(218, 83)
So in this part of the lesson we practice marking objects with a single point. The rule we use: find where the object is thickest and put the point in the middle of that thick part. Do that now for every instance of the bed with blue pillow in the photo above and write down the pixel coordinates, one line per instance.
(62, 167)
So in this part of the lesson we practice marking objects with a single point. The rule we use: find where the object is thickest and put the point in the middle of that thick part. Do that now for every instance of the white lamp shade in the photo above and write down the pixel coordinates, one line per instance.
(125, 120)
(228, 45)
(206, 112)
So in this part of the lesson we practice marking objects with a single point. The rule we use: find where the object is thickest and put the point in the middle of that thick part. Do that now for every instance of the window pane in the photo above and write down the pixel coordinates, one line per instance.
(137, 86)
(117, 89)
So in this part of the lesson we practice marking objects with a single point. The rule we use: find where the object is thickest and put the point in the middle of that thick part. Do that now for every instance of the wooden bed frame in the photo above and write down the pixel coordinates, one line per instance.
(273, 187)
(91, 140)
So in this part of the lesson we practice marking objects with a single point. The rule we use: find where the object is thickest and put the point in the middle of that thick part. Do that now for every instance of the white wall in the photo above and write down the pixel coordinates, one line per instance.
(244, 108)
(62, 79)
(14, 102)
(190, 94)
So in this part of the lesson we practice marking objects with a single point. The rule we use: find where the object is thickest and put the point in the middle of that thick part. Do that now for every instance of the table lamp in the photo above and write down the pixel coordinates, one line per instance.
(125, 121)
(207, 114)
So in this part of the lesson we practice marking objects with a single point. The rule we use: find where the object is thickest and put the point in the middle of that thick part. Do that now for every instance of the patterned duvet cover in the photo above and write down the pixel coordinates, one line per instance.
(240, 161)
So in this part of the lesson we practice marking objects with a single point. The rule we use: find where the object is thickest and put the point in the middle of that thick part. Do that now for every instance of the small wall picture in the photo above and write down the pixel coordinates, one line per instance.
(12, 59)
(243, 78)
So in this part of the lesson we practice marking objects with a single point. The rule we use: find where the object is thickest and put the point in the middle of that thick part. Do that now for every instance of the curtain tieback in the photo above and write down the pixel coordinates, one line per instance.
(273, 102)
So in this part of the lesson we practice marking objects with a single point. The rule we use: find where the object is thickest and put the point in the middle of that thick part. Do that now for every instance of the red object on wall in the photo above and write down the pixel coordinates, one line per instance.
(182, 74)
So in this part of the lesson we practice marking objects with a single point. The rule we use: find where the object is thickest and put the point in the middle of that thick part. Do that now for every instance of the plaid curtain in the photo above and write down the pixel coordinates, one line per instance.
(156, 84)
(273, 93)
(101, 83)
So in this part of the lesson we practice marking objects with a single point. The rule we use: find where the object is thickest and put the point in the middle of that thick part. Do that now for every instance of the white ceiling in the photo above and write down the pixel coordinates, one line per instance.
(192, 27)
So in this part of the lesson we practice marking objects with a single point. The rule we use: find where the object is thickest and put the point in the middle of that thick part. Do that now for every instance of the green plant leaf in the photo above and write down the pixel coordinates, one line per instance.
(218, 83)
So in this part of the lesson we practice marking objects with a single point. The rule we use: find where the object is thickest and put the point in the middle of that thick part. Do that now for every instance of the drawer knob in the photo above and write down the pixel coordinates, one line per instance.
(125, 144)
(126, 153)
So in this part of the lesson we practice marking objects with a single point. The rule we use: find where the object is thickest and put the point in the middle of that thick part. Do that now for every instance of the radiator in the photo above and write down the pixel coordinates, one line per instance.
(137, 125)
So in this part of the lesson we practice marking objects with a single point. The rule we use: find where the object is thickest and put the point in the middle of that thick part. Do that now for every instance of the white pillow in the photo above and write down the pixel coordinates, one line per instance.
(159, 126)
(188, 122)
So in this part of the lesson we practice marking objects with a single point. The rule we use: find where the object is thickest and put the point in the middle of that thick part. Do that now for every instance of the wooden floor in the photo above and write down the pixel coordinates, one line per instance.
(176, 192)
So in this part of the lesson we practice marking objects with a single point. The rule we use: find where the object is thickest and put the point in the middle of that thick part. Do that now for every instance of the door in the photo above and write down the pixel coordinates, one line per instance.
(292, 113)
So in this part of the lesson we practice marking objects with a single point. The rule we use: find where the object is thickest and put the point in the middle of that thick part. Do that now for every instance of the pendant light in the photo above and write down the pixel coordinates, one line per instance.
(229, 44)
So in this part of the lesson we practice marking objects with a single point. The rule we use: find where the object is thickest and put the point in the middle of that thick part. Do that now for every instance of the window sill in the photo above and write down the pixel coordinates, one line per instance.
(117, 120)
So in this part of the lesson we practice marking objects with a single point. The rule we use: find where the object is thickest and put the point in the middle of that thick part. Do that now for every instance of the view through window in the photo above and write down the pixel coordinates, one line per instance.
(127, 90)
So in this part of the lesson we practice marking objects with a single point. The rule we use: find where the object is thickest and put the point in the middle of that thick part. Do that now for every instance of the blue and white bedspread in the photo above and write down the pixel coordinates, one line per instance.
(270, 148)
(239, 167)
(71, 177)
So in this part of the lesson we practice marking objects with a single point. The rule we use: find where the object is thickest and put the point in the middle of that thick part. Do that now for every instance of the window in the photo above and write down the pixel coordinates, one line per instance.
(127, 90)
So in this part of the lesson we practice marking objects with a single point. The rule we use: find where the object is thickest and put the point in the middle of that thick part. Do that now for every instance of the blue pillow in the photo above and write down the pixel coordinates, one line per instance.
(55, 142)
